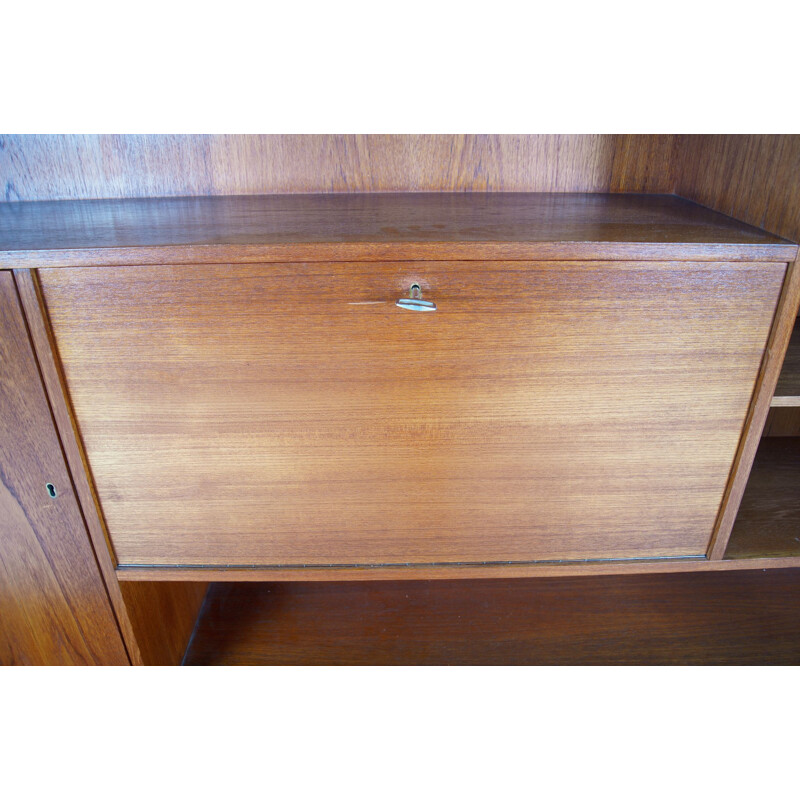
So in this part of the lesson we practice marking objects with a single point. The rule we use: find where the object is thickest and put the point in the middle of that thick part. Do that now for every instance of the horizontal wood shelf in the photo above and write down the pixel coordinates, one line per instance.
(768, 522)
(451, 572)
(704, 618)
(787, 392)
(272, 228)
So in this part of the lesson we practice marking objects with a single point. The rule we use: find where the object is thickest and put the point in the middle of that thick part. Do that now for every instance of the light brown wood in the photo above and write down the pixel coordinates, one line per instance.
(759, 409)
(55, 387)
(241, 416)
(645, 163)
(157, 622)
(163, 616)
(752, 178)
(53, 605)
(406, 227)
(453, 572)
(787, 392)
(783, 421)
(58, 167)
(768, 522)
(749, 177)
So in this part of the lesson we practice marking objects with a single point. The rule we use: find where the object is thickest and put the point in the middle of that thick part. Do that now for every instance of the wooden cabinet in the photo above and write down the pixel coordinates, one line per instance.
(577, 397)
(294, 414)
(239, 396)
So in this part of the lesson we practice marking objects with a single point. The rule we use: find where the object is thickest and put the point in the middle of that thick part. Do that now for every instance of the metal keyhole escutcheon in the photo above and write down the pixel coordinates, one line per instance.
(414, 301)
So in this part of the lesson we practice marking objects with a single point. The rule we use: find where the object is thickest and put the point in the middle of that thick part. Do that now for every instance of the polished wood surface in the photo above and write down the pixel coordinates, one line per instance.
(55, 388)
(536, 569)
(641, 163)
(365, 227)
(768, 522)
(156, 621)
(728, 618)
(53, 604)
(759, 408)
(787, 392)
(544, 412)
(163, 616)
(58, 167)
(750, 177)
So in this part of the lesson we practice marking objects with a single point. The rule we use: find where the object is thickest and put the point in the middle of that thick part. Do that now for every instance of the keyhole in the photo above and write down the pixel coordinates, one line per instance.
(51, 490)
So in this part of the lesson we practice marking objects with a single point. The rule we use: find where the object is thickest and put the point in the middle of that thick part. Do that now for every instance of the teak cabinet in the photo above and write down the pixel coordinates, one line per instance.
(239, 395)
(290, 415)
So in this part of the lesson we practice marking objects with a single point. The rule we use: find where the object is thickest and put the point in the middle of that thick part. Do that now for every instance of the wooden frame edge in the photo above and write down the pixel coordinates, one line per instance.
(774, 353)
(66, 428)
(449, 572)
(392, 251)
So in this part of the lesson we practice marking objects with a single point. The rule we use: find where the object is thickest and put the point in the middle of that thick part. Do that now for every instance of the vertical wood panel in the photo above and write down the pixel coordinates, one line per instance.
(53, 604)
(755, 178)
(644, 164)
(56, 167)
(759, 408)
(156, 621)
(163, 616)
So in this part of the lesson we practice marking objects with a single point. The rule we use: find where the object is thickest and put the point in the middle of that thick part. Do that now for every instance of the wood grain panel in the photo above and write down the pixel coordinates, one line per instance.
(493, 570)
(768, 522)
(546, 411)
(58, 167)
(759, 408)
(645, 163)
(731, 618)
(54, 609)
(753, 178)
(750, 177)
(783, 421)
(155, 621)
(376, 227)
(787, 392)
(163, 616)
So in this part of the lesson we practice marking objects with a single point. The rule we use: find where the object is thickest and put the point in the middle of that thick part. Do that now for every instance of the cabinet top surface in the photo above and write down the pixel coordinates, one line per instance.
(368, 226)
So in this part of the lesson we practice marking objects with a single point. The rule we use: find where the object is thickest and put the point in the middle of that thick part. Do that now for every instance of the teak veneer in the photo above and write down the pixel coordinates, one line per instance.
(734, 618)
(787, 392)
(238, 397)
(592, 373)
(357, 227)
(294, 415)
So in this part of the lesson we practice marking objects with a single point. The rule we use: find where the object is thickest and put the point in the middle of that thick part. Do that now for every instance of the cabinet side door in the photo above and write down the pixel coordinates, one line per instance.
(54, 608)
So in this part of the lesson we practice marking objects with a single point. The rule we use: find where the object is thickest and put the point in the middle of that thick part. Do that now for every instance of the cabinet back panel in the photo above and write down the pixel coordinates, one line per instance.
(545, 411)
(60, 167)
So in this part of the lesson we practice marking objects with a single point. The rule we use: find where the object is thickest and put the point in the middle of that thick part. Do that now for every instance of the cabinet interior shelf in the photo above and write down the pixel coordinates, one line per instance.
(745, 617)
(768, 522)
(787, 392)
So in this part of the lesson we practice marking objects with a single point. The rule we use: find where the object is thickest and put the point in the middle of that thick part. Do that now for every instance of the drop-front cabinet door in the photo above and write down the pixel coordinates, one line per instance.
(294, 414)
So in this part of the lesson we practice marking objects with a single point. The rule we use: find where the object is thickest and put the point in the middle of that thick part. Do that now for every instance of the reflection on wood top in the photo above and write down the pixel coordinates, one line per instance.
(368, 226)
